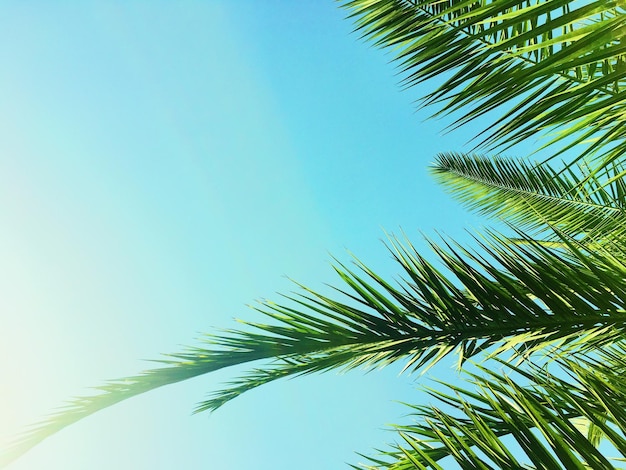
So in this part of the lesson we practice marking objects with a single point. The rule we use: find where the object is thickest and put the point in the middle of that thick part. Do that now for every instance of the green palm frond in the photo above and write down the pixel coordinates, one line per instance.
(523, 297)
(559, 65)
(513, 414)
(537, 197)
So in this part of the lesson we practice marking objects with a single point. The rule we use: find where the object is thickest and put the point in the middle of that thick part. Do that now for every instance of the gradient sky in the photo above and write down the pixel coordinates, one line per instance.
(163, 164)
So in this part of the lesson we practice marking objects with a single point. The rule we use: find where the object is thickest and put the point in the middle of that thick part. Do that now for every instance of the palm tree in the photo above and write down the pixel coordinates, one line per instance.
(555, 286)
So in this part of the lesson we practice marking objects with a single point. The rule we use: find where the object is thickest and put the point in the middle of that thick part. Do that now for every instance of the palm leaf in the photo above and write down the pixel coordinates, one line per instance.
(557, 64)
(508, 297)
(532, 414)
(537, 197)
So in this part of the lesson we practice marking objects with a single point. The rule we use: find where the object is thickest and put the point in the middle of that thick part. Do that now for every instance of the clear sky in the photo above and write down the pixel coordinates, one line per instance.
(163, 164)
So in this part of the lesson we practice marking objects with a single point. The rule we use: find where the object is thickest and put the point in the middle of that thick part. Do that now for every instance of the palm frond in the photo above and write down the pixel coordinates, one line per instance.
(537, 197)
(522, 297)
(559, 65)
(532, 414)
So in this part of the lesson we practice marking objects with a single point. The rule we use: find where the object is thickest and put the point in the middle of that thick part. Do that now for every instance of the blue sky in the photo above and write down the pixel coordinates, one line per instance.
(163, 164)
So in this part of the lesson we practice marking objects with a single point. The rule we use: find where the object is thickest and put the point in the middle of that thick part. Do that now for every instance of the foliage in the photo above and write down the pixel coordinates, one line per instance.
(539, 199)
(550, 422)
(557, 64)
(547, 304)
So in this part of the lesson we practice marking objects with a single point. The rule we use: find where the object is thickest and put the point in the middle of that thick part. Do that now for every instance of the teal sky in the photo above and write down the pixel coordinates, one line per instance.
(163, 164)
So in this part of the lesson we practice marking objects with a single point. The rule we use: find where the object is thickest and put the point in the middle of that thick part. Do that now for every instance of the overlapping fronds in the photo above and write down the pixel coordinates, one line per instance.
(537, 197)
(523, 297)
(513, 418)
(559, 65)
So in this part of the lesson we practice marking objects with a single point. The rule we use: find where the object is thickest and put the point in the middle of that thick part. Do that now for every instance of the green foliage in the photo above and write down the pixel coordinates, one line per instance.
(537, 197)
(548, 304)
(524, 299)
(555, 65)
(549, 422)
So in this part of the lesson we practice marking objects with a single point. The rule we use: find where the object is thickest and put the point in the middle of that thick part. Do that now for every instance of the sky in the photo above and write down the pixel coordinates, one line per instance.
(164, 164)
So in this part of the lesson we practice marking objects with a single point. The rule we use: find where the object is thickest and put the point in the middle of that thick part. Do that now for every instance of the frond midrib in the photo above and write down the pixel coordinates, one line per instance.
(490, 183)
